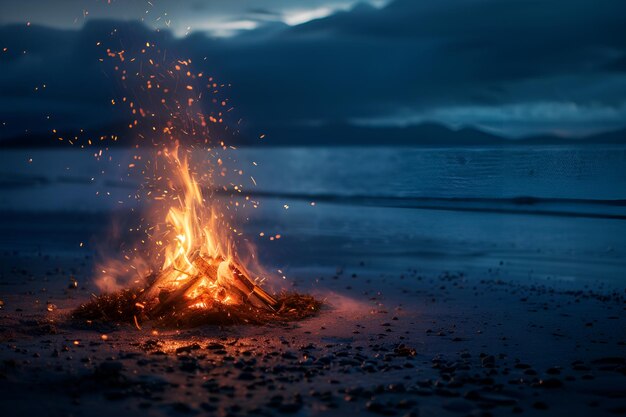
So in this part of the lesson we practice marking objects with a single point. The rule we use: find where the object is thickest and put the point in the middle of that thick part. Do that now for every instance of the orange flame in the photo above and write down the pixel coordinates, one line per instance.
(194, 232)
(189, 258)
(199, 265)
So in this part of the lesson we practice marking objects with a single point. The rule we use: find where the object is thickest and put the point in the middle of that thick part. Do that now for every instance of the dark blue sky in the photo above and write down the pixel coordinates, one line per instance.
(512, 67)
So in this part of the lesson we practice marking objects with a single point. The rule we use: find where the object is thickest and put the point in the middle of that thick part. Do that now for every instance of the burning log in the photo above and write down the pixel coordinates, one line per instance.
(206, 268)
(169, 300)
(254, 294)
(239, 283)
(201, 280)
(225, 281)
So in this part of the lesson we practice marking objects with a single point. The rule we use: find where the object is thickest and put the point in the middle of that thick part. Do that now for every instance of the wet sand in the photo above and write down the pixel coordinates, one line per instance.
(392, 339)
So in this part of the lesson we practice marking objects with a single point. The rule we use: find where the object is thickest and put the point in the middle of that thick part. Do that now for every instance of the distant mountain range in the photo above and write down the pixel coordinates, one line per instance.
(344, 134)
(425, 134)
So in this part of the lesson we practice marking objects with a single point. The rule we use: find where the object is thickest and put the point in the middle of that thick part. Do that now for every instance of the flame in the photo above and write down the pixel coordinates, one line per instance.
(199, 266)
(195, 234)
(188, 259)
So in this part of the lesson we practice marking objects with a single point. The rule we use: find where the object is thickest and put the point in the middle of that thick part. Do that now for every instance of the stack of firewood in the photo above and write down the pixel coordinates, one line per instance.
(157, 299)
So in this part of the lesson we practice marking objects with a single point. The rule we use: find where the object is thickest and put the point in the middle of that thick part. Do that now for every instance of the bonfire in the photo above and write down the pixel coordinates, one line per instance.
(188, 268)
(201, 279)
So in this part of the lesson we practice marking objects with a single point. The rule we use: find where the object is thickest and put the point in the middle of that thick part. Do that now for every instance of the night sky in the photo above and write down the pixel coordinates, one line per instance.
(510, 67)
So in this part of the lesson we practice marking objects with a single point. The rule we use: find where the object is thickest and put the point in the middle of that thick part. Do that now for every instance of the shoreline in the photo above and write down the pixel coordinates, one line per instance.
(390, 343)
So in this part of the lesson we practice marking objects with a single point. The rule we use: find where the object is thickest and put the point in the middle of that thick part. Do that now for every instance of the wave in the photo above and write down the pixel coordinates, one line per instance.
(562, 207)
(528, 205)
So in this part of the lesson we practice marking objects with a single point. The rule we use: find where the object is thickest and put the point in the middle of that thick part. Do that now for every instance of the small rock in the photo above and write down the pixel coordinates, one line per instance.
(187, 349)
(488, 361)
(550, 383)
(215, 346)
(109, 368)
(289, 408)
(246, 376)
(378, 408)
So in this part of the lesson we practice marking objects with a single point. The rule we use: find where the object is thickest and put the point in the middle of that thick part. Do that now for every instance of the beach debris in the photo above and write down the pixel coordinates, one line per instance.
(120, 308)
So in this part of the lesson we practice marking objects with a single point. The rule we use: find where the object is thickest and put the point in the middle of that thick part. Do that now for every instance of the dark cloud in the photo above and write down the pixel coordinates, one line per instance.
(264, 12)
(417, 56)
(477, 62)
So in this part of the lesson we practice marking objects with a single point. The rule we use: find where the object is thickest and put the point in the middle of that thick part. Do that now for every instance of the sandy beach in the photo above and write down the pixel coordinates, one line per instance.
(464, 334)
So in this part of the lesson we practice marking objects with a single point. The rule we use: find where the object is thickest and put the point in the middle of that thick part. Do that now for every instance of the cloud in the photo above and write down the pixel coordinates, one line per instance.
(424, 57)
(176, 15)
(524, 119)
(554, 65)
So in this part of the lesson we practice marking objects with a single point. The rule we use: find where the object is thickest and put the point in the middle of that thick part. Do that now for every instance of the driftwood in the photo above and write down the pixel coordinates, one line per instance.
(169, 300)
(255, 294)
(239, 287)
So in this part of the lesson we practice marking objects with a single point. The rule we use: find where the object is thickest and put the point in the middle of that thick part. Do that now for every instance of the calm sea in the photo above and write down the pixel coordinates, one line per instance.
(508, 213)
(586, 179)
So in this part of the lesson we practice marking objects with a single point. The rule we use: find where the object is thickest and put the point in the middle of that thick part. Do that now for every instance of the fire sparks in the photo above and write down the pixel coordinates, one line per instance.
(187, 259)
(199, 268)
(183, 258)
(201, 278)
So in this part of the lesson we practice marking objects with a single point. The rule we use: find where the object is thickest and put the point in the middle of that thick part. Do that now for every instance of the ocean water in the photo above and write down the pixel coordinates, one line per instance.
(511, 213)
(584, 178)
(567, 172)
